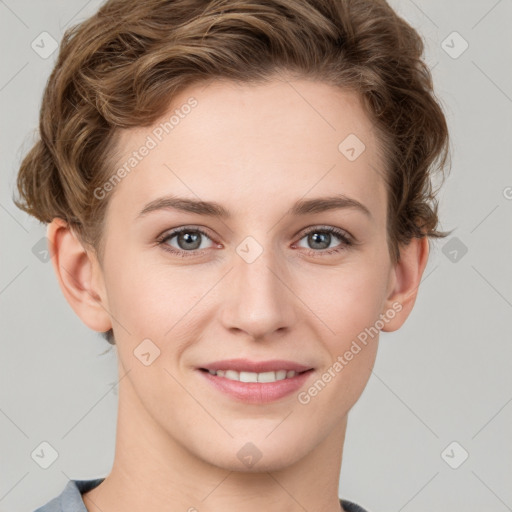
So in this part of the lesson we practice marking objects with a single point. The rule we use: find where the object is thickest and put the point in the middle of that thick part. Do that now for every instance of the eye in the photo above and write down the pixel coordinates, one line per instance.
(188, 240)
(320, 239)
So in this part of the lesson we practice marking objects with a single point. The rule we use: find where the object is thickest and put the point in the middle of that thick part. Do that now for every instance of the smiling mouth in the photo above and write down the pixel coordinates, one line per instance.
(255, 377)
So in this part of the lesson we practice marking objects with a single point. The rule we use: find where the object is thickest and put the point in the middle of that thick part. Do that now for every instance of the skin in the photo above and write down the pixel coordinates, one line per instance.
(177, 436)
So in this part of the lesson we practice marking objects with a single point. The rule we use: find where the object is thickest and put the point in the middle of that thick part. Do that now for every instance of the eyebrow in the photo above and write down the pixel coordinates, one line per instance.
(213, 209)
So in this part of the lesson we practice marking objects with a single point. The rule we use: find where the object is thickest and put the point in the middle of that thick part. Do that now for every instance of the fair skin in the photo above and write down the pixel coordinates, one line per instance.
(256, 150)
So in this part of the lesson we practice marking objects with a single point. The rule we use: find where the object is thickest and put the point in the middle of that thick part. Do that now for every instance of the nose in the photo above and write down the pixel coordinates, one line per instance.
(258, 298)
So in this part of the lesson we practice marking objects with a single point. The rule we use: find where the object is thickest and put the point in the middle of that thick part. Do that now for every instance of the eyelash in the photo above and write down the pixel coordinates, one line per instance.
(342, 235)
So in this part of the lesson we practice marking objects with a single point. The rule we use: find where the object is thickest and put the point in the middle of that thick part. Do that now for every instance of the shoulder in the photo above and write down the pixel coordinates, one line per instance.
(70, 499)
(349, 506)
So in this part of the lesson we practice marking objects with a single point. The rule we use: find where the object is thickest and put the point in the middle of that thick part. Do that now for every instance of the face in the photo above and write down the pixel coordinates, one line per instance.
(278, 276)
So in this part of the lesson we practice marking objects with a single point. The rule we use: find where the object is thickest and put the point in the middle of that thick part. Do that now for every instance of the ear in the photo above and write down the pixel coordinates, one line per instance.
(79, 274)
(405, 280)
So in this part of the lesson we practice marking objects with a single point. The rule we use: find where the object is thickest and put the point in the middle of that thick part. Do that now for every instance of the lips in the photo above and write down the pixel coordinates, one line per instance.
(245, 365)
(256, 382)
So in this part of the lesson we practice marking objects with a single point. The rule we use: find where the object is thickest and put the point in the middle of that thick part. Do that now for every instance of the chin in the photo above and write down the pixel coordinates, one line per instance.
(262, 455)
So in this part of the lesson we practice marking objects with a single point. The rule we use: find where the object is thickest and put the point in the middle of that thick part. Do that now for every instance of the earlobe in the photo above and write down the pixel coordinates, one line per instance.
(76, 269)
(407, 275)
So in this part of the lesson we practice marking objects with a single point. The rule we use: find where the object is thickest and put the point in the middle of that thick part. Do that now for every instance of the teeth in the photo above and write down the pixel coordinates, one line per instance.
(232, 375)
(246, 377)
(254, 377)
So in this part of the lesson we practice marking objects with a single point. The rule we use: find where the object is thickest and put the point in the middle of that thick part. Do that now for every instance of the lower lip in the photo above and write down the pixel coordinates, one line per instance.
(255, 392)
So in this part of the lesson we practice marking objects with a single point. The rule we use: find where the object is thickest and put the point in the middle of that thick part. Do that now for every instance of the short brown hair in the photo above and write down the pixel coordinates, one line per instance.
(121, 67)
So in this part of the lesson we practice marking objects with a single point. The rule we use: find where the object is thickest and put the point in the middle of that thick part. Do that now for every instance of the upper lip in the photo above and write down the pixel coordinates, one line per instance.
(245, 365)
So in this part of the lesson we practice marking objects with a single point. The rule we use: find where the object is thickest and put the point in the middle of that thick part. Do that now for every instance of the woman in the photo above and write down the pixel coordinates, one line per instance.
(291, 144)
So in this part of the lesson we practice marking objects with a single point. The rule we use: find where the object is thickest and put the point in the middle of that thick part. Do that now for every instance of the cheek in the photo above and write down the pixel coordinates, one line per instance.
(155, 302)
(356, 308)
(346, 299)
(349, 303)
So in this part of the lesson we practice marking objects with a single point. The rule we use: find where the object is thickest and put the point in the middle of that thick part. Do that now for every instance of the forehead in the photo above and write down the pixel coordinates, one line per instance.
(250, 146)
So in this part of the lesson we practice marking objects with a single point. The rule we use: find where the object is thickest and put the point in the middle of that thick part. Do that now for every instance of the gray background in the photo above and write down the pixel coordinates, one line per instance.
(445, 376)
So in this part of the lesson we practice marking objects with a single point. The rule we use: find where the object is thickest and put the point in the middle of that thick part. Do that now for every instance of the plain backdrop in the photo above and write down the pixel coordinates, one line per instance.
(441, 389)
